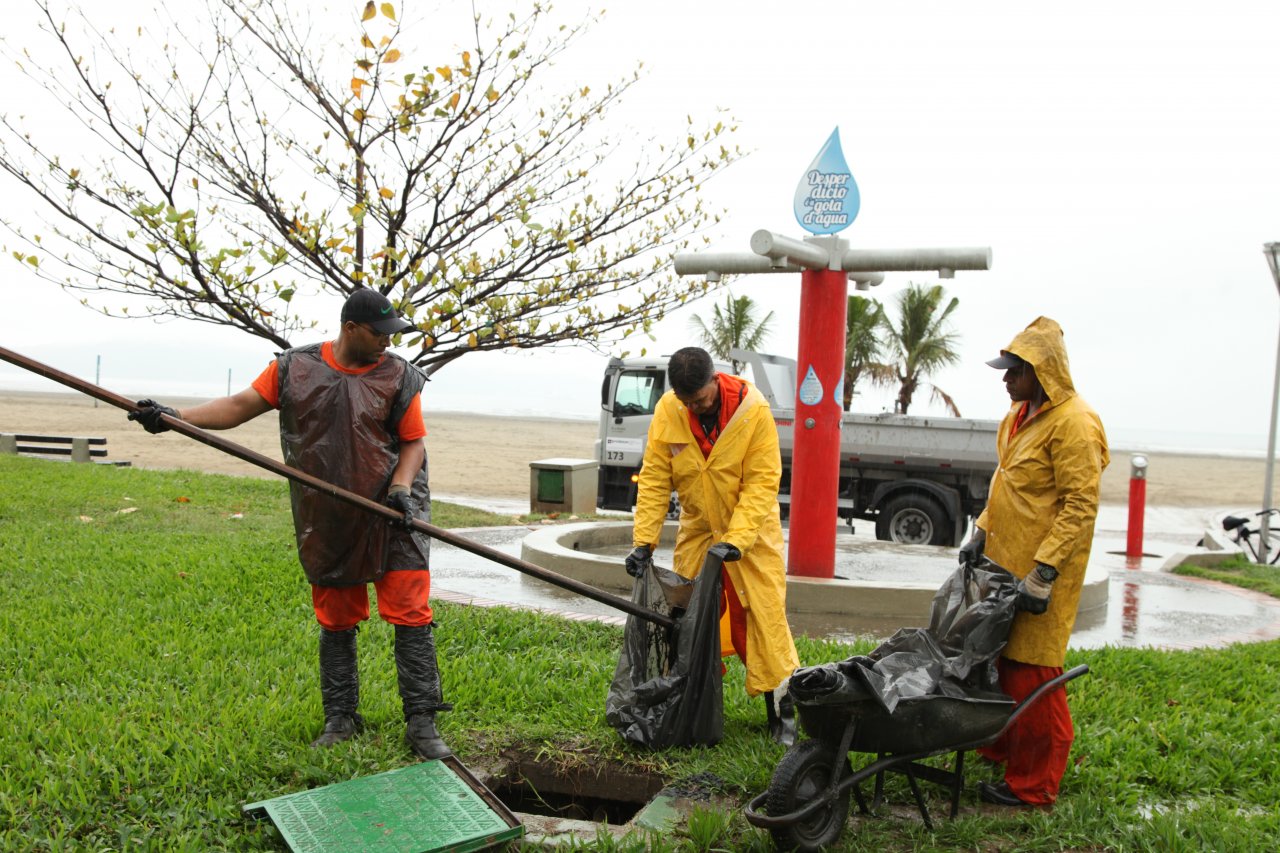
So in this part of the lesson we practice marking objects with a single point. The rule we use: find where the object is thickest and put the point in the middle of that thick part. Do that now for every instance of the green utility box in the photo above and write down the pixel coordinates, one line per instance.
(432, 806)
(563, 485)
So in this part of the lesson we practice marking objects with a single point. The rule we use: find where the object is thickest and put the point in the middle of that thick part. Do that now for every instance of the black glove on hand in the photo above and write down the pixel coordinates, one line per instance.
(400, 498)
(149, 415)
(639, 560)
(725, 552)
(971, 551)
(1034, 589)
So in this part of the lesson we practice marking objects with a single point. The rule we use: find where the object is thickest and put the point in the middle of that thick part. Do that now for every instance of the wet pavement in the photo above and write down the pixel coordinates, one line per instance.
(1146, 606)
(1150, 607)
(459, 576)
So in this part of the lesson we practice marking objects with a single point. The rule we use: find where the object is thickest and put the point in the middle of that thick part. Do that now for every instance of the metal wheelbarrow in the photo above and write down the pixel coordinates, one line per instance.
(807, 801)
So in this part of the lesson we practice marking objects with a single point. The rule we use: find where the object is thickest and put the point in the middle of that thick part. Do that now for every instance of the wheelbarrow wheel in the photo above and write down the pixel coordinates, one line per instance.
(801, 777)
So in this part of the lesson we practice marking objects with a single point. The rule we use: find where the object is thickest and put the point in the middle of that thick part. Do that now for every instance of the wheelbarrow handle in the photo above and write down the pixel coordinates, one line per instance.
(1035, 695)
(758, 819)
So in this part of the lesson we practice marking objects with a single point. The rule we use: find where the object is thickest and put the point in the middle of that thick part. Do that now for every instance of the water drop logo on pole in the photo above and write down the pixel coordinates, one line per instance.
(810, 392)
(827, 198)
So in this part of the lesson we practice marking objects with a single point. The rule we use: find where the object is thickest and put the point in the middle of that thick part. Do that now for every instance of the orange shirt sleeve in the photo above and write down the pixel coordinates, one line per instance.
(268, 384)
(411, 427)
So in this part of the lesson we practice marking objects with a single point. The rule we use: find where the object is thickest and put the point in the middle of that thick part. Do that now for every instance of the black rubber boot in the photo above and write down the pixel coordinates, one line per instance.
(339, 687)
(781, 714)
(420, 694)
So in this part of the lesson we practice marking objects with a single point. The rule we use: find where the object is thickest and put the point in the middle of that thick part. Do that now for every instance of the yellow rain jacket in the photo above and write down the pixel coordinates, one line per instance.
(1044, 495)
(732, 496)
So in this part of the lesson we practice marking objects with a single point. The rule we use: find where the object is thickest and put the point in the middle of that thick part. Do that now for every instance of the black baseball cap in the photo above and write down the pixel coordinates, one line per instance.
(374, 310)
(1006, 361)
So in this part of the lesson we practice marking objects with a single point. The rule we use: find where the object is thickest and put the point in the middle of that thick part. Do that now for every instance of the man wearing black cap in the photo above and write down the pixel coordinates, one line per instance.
(351, 415)
(1038, 524)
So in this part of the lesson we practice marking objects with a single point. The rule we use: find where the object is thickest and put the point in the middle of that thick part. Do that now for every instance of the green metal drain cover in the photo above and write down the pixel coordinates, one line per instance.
(435, 805)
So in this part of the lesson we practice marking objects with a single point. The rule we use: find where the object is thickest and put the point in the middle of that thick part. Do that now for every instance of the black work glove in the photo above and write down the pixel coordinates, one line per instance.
(725, 552)
(149, 415)
(1034, 589)
(971, 551)
(639, 561)
(400, 498)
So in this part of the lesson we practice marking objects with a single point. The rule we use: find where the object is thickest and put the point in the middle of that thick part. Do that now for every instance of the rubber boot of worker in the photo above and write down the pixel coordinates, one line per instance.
(780, 711)
(419, 678)
(339, 686)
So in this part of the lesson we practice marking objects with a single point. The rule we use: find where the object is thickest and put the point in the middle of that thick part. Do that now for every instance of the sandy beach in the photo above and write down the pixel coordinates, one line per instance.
(473, 455)
(487, 456)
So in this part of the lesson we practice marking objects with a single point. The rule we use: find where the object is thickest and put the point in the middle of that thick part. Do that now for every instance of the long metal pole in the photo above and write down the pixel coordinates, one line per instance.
(1264, 539)
(240, 452)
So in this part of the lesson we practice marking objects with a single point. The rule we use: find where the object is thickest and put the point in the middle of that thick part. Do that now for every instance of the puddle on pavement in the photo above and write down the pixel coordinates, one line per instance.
(1143, 608)
(462, 572)
(1157, 609)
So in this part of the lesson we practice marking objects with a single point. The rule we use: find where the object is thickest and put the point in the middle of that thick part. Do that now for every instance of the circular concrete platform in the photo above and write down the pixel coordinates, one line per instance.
(878, 586)
(1133, 604)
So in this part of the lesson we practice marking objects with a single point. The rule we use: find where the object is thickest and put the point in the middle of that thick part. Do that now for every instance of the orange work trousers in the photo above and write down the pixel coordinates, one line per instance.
(402, 600)
(1035, 748)
(733, 621)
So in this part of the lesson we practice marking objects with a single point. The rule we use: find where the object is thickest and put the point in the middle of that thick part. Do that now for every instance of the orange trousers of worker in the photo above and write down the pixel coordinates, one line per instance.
(403, 599)
(1034, 750)
(733, 622)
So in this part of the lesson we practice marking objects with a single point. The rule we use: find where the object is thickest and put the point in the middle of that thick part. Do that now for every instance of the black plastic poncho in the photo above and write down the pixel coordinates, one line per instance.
(343, 428)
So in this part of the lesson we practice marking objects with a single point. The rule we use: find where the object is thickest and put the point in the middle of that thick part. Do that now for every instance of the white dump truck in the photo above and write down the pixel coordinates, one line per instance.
(920, 479)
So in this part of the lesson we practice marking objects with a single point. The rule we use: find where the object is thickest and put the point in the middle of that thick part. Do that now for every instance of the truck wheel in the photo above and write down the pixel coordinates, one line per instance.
(913, 519)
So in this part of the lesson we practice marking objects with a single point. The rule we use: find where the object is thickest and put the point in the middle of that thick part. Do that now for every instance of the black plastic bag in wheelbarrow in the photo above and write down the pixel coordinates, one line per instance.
(954, 656)
(667, 690)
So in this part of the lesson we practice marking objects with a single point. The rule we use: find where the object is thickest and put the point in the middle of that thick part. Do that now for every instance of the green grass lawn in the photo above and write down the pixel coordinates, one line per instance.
(158, 662)
(1239, 571)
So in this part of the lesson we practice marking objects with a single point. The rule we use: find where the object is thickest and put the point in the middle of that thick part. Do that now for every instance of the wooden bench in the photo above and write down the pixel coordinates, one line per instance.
(79, 448)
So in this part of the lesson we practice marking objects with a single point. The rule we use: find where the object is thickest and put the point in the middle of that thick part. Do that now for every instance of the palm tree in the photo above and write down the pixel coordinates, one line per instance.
(864, 346)
(734, 326)
(921, 343)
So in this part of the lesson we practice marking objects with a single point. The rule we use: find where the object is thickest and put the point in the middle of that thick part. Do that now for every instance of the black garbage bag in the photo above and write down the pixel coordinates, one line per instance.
(954, 656)
(834, 683)
(667, 689)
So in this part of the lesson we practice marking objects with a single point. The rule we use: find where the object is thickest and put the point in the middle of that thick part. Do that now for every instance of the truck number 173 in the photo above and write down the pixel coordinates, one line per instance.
(614, 455)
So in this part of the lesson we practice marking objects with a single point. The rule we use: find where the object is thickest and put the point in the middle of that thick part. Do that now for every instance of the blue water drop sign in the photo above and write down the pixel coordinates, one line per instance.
(811, 388)
(827, 198)
(837, 396)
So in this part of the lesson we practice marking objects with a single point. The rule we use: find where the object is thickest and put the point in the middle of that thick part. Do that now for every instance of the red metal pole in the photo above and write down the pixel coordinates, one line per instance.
(1137, 505)
(815, 458)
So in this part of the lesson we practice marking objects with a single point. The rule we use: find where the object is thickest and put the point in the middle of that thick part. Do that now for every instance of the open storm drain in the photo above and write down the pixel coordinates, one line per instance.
(599, 795)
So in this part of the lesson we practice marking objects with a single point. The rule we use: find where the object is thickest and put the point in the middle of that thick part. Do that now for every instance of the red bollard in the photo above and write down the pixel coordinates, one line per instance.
(1137, 504)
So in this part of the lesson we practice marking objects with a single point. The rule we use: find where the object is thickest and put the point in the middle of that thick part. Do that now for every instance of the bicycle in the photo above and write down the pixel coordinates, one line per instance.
(1241, 531)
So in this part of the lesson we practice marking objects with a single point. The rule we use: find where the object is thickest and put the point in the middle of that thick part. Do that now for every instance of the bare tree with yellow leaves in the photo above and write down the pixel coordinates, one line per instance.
(227, 168)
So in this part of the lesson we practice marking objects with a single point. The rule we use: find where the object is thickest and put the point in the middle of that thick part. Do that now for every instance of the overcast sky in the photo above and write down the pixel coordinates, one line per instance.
(1122, 162)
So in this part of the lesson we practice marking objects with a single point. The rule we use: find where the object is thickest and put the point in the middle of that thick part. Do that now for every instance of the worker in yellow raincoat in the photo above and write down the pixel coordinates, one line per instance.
(714, 442)
(1038, 524)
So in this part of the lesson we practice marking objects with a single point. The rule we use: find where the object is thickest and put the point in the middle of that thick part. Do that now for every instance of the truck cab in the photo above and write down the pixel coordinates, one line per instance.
(628, 395)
